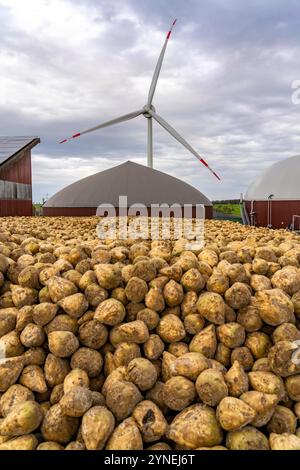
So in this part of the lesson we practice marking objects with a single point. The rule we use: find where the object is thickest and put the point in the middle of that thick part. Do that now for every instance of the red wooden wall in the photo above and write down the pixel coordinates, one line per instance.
(18, 171)
(10, 207)
(87, 211)
(281, 213)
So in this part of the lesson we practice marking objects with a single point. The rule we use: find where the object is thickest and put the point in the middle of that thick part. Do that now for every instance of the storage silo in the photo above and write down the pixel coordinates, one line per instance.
(140, 184)
(274, 198)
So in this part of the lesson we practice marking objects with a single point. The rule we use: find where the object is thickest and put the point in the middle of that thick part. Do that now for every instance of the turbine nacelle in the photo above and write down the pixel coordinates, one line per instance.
(147, 109)
(149, 112)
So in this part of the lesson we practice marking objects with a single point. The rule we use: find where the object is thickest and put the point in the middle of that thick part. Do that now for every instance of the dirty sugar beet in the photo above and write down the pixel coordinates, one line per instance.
(148, 344)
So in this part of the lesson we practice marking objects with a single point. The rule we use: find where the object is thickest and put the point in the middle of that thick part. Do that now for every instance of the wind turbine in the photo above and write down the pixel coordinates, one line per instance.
(149, 112)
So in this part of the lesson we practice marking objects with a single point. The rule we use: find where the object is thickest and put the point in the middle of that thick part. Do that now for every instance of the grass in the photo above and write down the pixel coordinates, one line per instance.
(37, 208)
(230, 209)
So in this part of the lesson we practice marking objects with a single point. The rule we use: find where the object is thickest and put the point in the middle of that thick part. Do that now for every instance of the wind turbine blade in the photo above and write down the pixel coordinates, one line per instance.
(158, 66)
(180, 139)
(126, 117)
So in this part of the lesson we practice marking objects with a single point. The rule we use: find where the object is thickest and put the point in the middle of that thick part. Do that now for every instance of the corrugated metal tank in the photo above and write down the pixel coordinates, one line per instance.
(278, 213)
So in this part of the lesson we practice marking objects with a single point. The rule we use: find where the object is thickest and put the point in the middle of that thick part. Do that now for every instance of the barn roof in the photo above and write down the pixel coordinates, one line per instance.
(281, 180)
(139, 183)
(10, 146)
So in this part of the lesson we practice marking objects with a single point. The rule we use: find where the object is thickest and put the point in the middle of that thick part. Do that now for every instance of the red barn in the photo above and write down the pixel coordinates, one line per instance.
(15, 175)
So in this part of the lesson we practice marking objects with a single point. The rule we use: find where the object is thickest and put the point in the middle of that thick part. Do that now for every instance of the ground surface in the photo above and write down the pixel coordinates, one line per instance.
(230, 209)
(148, 344)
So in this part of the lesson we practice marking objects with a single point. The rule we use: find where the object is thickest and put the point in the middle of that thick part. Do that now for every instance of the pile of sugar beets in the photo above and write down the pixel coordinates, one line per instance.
(148, 344)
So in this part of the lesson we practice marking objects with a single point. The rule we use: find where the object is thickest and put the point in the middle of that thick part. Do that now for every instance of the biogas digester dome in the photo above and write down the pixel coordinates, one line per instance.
(139, 183)
(274, 198)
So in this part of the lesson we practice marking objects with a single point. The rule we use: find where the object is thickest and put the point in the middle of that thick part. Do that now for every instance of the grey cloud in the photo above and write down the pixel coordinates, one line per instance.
(225, 86)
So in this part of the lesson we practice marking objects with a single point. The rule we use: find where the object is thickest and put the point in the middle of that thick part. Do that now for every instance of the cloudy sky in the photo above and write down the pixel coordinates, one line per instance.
(225, 85)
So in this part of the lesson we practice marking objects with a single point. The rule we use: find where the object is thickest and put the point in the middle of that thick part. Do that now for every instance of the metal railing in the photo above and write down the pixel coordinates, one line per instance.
(244, 214)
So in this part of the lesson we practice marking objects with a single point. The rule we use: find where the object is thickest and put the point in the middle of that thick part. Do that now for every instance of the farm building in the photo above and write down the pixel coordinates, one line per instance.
(141, 185)
(274, 198)
(15, 175)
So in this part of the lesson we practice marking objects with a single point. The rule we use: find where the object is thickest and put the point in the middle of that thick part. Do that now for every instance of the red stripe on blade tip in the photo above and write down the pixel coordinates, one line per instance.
(63, 141)
(207, 166)
(75, 135)
(169, 32)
